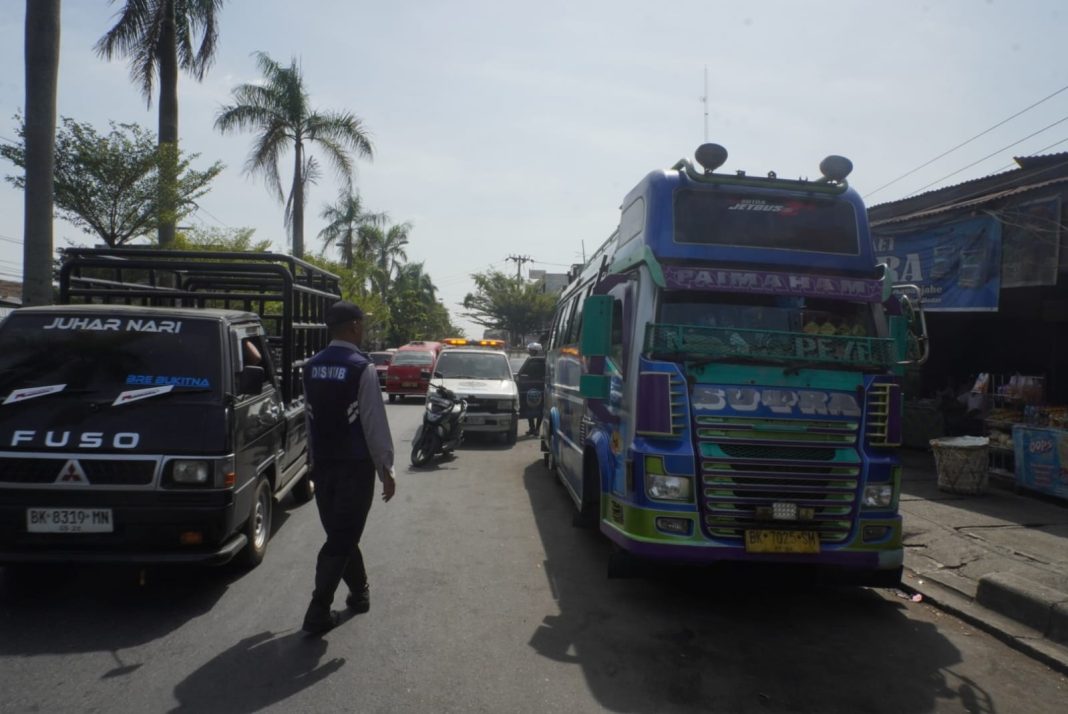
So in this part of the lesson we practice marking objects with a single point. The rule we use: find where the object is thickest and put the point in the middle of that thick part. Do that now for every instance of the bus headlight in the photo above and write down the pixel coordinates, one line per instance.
(878, 495)
(664, 486)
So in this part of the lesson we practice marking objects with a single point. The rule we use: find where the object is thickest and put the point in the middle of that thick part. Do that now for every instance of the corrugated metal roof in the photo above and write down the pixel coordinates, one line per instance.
(959, 205)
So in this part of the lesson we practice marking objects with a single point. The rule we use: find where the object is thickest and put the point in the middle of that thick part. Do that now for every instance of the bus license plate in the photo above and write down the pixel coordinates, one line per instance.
(782, 542)
(409, 384)
(69, 520)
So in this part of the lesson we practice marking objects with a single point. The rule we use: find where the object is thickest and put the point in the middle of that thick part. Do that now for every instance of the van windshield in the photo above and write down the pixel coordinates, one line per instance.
(104, 354)
(469, 365)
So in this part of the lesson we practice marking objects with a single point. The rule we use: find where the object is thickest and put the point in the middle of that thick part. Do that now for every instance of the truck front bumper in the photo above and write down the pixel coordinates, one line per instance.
(148, 527)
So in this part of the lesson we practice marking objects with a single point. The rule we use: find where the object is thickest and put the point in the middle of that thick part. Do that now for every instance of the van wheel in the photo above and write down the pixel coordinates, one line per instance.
(258, 526)
(392, 398)
(513, 434)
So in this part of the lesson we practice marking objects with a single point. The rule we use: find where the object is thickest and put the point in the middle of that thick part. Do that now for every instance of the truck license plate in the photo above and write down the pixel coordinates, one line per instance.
(69, 520)
(782, 542)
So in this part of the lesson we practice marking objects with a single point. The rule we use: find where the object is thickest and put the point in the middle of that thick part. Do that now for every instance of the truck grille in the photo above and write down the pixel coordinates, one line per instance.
(748, 465)
(99, 472)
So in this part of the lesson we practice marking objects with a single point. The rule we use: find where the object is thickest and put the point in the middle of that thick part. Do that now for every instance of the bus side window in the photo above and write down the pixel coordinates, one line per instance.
(566, 318)
(617, 332)
(554, 332)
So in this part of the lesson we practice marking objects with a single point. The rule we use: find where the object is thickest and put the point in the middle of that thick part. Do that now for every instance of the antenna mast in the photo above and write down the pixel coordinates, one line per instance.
(704, 100)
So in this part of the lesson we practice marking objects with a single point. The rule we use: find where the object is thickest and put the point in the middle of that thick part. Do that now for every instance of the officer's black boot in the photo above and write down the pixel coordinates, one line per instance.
(359, 599)
(320, 618)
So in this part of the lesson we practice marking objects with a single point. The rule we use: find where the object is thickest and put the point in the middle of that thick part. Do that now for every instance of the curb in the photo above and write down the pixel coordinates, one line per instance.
(1036, 605)
(1020, 636)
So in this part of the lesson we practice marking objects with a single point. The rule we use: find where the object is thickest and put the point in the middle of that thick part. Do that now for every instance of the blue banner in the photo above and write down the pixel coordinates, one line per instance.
(956, 265)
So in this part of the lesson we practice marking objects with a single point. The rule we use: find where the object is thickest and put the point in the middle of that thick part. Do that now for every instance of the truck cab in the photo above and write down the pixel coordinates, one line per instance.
(154, 433)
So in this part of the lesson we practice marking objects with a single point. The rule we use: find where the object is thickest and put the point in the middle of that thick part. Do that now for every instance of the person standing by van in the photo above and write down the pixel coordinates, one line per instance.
(349, 442)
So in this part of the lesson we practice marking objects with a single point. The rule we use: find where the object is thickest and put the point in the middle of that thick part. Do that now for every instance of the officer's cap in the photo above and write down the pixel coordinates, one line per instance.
(341, 312)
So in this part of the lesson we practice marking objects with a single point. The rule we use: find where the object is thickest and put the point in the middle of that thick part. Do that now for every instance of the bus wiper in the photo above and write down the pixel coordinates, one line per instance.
(795, 369)
(746, 359)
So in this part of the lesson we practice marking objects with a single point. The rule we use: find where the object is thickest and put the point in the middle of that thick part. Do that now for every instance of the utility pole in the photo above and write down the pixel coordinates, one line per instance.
(519, 260)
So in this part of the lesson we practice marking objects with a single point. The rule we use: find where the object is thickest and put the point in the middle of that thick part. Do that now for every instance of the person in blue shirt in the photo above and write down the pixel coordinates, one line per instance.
(349, 442)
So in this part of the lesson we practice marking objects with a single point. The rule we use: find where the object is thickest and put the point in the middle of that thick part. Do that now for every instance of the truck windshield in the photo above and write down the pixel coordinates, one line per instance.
(768, 328)
(106, 354)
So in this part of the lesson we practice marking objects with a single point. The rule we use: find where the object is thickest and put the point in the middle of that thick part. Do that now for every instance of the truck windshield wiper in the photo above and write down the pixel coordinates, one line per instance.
(136, 395)
(25, 394)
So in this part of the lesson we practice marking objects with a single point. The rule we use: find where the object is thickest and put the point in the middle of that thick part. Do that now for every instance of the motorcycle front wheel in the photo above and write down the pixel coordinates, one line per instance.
(424, 446)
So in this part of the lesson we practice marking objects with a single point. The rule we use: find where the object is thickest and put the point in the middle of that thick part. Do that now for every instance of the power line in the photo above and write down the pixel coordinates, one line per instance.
(995, 153)
(9, 239)
(1036, 152)
(964, 143)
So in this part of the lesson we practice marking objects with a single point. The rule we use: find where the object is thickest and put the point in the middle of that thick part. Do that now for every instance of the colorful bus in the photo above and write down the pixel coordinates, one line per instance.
(724, 376)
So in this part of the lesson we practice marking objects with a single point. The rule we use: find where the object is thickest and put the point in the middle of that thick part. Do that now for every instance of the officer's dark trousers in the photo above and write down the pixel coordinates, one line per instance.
(343, 492)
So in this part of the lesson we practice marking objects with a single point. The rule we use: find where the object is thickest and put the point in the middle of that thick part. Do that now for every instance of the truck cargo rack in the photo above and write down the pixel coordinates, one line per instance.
(290, 295)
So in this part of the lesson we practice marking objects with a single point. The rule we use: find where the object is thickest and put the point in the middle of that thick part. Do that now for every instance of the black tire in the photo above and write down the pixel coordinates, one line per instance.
(304, 491)
(392, 398)
(590, 507)
(513, 434)
(258, 526)
(423, 448)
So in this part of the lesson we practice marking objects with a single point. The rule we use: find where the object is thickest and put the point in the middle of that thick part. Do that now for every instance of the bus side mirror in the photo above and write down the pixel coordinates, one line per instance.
(596, 338)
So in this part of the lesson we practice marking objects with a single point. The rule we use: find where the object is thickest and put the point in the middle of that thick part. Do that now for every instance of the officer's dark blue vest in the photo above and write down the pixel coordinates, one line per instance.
(331, 386)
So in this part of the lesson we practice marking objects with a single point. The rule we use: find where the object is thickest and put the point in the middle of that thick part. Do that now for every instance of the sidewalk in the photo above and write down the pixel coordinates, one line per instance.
(999, 560)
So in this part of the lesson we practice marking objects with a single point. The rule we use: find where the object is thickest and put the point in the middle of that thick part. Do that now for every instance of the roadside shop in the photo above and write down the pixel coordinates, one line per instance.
(990, 259)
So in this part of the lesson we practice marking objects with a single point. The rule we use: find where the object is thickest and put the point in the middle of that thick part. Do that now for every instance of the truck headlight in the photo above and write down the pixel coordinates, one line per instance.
(190, 472)
(878, 495)
(506, 405)
(664, 486)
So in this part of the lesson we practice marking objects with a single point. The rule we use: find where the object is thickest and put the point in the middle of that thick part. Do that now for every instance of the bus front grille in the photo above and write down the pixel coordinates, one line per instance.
(752, 469)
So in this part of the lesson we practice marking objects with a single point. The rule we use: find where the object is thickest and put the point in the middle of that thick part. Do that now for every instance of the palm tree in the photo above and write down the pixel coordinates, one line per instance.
(279, 108)
(344, 219)
(158, 37)
(388, 252)
(42, 67)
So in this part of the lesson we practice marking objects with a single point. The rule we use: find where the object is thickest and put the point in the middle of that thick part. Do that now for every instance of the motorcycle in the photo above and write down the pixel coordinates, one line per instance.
(442, 429)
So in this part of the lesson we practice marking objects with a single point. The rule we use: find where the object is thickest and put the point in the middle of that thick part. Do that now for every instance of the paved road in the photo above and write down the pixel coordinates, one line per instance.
(484, 598)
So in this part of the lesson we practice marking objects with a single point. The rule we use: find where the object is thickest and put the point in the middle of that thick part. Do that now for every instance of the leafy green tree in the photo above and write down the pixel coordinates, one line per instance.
(107, 184)
(279, 109)
(220, 239)
(501, 302)
(41, 68)
(345, 218)
(354, 289)
(158, 37)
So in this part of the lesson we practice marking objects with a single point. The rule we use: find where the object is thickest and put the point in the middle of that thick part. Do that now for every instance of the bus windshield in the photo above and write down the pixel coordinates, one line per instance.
(767, 328)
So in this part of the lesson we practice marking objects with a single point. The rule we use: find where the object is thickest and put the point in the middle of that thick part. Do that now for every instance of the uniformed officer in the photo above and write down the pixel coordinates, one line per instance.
(348, 441)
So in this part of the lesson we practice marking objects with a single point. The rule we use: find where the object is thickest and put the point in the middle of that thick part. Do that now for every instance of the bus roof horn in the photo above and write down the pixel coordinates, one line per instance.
(710, 156)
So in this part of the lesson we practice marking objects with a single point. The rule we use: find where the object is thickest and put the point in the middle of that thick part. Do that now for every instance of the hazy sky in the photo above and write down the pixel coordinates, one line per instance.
(516, 128)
